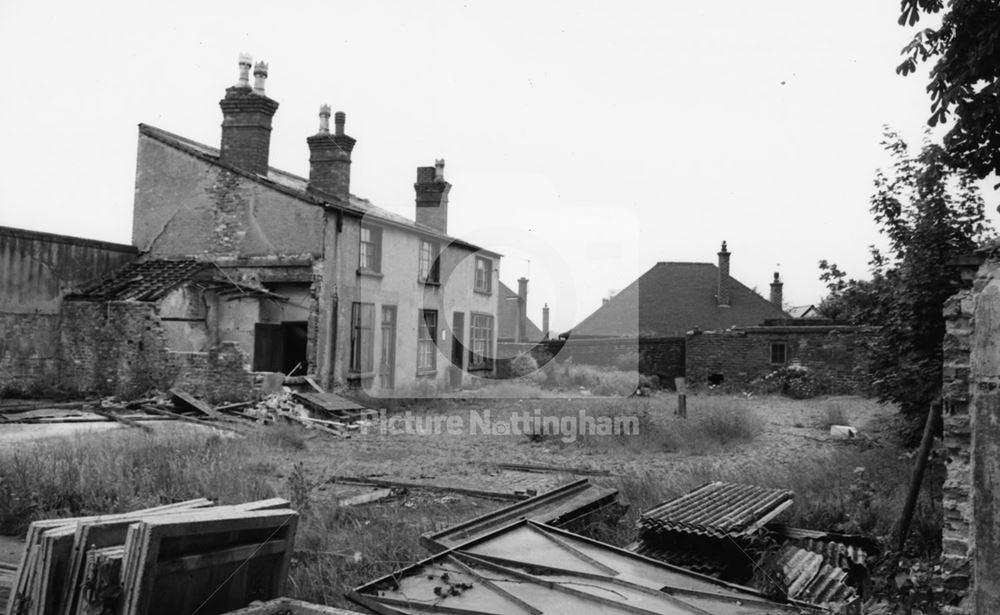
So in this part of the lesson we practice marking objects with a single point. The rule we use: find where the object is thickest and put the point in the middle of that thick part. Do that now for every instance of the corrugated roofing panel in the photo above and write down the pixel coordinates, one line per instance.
(718, 509)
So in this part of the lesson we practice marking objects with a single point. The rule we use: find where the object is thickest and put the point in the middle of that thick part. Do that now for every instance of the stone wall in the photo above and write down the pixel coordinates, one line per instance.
(741, 356)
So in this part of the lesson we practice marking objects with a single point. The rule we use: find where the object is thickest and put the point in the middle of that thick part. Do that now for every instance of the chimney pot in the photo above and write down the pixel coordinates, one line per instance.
(439, 170)
(339, 119)
(259, 77)
(324, 119)
(245, 62)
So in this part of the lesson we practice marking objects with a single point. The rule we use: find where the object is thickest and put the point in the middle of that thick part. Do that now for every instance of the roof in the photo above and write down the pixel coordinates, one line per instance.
(507, 318)
(718, 509)
(804, 311)
(141, 281)
(296, 186)
(673, 298)
(527, 567)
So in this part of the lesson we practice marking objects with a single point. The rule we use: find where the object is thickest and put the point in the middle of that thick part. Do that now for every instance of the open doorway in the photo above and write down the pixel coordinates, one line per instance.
(281, 347)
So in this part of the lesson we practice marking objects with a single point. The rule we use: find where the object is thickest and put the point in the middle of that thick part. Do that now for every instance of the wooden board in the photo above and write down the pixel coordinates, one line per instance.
(192, 402)
(330, 402)
(239, 557)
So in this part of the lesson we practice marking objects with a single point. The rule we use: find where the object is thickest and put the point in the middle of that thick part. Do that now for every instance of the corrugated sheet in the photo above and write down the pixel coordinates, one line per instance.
(143, 281)
(718, 509)
(809, 577)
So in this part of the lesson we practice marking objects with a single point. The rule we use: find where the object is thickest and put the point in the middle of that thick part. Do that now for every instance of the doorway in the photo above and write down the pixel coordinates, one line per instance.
(457, 347)
(387, 360)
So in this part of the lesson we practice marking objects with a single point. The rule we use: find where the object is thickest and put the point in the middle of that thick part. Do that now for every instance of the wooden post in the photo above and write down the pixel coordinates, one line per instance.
(681, 386)
(918, 471)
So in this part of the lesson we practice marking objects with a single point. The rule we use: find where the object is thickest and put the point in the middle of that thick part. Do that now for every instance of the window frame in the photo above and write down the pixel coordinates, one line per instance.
(362, 364)
(375, 241)
(486, 289)
(481, 360)
(433, 272)
(783, 346)
(427, 332)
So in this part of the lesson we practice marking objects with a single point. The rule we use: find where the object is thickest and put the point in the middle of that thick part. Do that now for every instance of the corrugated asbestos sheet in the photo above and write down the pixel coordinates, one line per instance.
(143, 281)
(718, 509)
(529, 568)
(810, 577)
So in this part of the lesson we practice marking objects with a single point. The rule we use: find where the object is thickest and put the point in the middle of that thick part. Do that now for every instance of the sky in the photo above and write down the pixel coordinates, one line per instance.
(585, 141)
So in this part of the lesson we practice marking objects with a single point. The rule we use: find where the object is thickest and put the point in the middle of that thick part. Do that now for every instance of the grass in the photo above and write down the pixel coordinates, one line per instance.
(340, 548)
(834, 414)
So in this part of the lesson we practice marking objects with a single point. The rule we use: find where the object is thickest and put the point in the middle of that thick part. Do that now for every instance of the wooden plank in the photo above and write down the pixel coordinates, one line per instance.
(377, 482)
(312, 383)
(368, 498)
(330, 402)
(192, 402)
(189, 419)
(120, 419)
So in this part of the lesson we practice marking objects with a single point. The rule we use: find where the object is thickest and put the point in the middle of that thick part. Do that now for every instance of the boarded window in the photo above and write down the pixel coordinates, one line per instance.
(481, 352)
(426, 338)
(778, 352)
(362, 337)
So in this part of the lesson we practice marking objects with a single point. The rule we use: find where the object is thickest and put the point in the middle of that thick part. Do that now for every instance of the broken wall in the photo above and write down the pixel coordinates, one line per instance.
(38, 269)
(971, 541)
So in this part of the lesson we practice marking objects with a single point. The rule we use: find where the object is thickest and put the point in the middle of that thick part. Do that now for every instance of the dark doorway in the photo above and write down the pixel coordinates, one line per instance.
(457, 347)
(387, 359)
(280, 347)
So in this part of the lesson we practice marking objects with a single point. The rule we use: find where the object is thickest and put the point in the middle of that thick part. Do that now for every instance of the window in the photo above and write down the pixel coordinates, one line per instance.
(429, 262)
(362, 338)
(482, 342)
(484, 275)
(778, 352)
(370, 250)
(426, 337)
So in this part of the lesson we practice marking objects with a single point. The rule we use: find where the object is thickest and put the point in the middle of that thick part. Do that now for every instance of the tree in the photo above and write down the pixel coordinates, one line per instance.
(965, 78)
(930, 211)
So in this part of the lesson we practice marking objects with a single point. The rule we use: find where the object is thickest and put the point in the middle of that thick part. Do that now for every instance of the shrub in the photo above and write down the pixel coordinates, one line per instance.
(523, 365)
(795, 381)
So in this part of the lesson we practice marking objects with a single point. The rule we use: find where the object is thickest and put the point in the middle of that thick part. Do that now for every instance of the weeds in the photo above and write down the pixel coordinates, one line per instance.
(834, 414)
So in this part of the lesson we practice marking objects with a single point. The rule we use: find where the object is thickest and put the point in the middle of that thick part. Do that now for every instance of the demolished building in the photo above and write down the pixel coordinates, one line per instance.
(244, 268)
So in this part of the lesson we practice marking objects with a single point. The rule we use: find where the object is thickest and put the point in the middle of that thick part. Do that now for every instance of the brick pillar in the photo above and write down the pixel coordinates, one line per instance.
(776, 292)
(432, 197)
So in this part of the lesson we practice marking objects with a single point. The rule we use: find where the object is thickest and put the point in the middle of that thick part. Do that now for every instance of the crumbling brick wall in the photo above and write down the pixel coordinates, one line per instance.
(743, 355)
(119, 348)
(113, 348)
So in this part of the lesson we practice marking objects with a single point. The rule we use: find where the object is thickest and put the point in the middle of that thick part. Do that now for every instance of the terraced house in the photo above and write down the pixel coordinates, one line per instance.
(245, 268)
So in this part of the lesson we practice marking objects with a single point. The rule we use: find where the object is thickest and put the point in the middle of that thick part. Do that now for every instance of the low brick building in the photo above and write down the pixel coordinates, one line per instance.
(739, 356)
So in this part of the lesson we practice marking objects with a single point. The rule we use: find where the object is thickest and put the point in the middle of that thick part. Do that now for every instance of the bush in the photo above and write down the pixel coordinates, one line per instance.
(523, 365)
(795, 381)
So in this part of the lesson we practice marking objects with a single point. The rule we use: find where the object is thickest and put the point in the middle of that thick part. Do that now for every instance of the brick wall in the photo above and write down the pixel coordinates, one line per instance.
(29, 353)
(743, 355)
(956, 536)
(655, 356)
(119, 348)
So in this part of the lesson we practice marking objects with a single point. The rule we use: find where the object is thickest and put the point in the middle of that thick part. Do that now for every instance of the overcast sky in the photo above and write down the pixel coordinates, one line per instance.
(584, 140)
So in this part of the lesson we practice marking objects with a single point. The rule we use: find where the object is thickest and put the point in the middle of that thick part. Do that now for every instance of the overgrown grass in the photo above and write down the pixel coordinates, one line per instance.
(83, 476)
(834, 414)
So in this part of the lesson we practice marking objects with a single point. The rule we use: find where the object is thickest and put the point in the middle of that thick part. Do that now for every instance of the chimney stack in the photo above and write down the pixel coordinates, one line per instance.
(722, 295)
(246, 120)
(330, 157)
(776, 291)
(545, 321)
(522, 309)
(432, 197)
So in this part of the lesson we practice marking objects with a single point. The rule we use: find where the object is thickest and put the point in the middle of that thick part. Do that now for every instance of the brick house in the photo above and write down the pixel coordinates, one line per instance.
(270, 271)
(673, 298)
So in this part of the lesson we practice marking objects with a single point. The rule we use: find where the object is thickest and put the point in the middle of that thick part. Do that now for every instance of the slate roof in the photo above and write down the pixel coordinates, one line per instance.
(141, 281)
(673, 298)
(295, 186)
(507, 317)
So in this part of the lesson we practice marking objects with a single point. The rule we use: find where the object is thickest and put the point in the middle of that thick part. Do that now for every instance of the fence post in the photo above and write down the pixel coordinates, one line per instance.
(681, 386)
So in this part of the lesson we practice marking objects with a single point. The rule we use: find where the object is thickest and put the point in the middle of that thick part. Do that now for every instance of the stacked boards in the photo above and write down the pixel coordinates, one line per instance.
(180, 558)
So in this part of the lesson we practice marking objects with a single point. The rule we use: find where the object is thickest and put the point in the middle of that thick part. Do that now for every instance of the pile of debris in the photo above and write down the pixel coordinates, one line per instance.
(727, 531)
(316, 409)
(180, 558)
